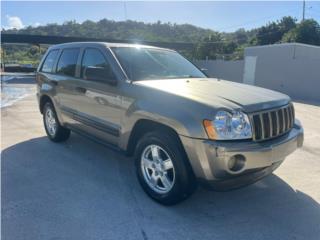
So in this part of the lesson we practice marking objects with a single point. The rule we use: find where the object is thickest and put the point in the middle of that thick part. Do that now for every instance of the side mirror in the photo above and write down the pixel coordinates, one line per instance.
(99, 74)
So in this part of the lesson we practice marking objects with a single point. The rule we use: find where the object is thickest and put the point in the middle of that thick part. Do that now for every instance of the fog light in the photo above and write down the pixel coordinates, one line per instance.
(236, 162)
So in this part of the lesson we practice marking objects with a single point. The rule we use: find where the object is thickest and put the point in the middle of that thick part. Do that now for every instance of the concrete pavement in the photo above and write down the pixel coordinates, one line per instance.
(82, 190)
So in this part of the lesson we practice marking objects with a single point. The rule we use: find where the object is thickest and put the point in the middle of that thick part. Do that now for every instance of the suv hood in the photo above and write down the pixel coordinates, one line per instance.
(220, 93)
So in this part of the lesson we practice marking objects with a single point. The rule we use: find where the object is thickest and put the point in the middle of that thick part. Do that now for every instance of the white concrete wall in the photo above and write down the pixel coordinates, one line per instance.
(228, 70)
(291, 68)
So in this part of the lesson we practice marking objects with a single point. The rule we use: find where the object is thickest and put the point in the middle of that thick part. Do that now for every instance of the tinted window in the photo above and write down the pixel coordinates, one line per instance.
(148, 63)
(94, 58)
(49, 62)
(68, 61)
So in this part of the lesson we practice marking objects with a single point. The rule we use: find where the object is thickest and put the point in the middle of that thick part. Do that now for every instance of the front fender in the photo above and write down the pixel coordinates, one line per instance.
(180, 120)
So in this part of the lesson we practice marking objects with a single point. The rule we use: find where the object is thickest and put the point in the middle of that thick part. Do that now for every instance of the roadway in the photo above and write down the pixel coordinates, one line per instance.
(82, 190)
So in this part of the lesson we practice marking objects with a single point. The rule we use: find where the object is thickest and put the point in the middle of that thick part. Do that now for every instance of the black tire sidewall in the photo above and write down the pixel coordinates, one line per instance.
(61, 133)
(183, 177)
(47, 106)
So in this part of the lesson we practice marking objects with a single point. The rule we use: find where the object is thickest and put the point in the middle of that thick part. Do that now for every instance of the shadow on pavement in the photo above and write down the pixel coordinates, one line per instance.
(82, 190)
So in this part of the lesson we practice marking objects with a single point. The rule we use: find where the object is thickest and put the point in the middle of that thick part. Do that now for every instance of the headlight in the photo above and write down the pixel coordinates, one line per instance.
(228, 126)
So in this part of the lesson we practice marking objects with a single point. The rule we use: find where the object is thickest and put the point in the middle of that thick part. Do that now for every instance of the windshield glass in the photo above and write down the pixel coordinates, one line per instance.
(149, 63)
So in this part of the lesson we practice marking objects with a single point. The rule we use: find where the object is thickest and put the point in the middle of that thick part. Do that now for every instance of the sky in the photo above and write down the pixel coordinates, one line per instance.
(225, 16)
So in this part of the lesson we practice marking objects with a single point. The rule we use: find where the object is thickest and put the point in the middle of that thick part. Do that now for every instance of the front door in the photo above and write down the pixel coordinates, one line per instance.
(99, 103)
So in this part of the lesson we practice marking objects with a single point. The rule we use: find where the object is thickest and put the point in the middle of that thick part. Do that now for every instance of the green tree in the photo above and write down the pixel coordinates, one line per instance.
(33, 50)
(307, 32)
(206, 42)
(274, 31)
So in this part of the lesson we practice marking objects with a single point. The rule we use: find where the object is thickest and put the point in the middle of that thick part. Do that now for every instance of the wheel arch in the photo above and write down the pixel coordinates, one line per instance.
(143, 126)
(43, 100)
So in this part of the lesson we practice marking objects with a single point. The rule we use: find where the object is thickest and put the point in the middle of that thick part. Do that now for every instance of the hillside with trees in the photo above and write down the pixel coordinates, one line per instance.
(208, 44)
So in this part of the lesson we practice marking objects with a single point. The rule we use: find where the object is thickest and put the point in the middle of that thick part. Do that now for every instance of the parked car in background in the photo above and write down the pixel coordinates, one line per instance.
(181, 126)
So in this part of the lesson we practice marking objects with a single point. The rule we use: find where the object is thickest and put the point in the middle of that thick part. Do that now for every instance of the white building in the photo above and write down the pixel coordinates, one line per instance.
(291, 68)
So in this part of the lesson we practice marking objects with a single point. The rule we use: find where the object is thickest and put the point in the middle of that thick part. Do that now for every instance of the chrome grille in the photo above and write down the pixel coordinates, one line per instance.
(272, 123)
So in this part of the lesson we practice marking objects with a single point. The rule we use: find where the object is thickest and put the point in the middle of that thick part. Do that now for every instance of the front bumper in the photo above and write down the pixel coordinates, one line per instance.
(209, 159)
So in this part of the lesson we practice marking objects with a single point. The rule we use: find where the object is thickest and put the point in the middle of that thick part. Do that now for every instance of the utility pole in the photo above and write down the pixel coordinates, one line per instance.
(303, 10)
(125, 10)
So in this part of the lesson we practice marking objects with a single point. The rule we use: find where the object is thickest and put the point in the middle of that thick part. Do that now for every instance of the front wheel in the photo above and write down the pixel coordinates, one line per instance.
(163, 169)
(54, 130)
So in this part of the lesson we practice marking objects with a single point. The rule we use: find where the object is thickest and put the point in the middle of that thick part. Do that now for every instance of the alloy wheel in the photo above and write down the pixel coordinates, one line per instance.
(51, 122)
(157, 168)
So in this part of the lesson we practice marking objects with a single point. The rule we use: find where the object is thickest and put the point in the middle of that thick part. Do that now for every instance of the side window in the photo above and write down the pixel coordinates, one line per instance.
(49, 61)
(68, 62)
(94, 58)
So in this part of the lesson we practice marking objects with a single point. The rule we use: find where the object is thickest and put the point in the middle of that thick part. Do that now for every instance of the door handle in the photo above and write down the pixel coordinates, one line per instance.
(81, 89)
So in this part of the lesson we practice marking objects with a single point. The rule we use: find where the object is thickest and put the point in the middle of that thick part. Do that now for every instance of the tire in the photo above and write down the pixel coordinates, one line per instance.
(54, 130)
(153, 171)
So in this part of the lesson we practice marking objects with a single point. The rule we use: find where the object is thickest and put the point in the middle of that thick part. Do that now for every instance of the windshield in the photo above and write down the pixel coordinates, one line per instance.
(149, 63)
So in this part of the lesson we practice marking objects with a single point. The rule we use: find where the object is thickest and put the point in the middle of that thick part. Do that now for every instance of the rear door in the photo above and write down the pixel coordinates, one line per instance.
(45, 75)
(66, 83)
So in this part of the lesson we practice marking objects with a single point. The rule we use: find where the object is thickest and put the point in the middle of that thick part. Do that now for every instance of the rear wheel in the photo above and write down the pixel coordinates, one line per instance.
(162, 168)
(54, 130)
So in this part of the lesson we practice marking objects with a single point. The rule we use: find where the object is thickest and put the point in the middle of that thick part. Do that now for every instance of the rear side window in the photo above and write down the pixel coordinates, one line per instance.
(49, 61)
(68, 62)
(94, 58)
